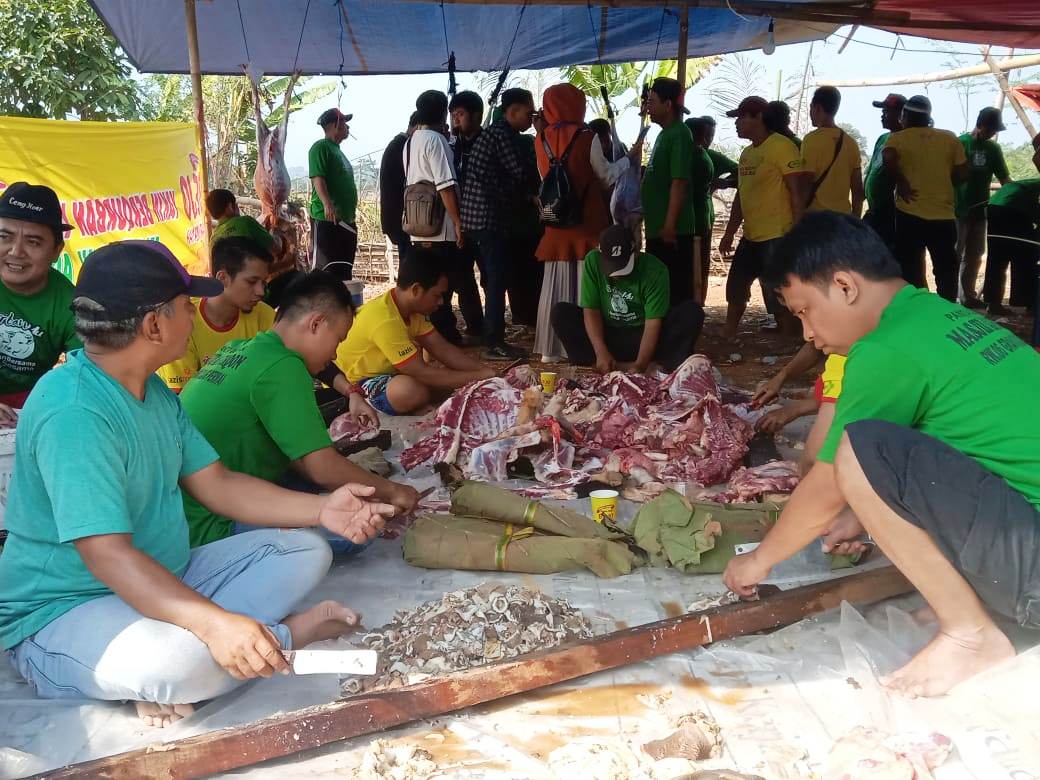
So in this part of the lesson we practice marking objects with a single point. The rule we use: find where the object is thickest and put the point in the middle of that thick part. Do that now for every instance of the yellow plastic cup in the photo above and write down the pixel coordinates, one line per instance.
(548, 381)
(604, 504)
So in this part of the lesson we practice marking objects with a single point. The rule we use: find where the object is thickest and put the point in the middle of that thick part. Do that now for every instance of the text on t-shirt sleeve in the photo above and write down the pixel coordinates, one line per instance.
(787, 157)
(393, 340)
(879, 384)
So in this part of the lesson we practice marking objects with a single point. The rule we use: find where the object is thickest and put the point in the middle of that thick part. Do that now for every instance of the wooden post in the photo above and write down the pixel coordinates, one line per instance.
(195, 66)
(282, 735)
(684, 43)
(1005, 88)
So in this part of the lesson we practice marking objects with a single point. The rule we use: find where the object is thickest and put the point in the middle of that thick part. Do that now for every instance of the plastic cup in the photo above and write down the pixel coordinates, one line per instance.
(604, 504)
(548, 381)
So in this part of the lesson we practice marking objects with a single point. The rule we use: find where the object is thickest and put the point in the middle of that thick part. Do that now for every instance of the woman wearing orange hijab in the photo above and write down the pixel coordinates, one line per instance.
(563, 248)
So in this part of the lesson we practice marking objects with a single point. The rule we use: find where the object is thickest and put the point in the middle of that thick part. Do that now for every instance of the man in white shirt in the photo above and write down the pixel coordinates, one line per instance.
(428, 157)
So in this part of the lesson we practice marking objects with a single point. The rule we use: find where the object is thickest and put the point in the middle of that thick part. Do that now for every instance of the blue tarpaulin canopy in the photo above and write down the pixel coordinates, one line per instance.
(403, 36)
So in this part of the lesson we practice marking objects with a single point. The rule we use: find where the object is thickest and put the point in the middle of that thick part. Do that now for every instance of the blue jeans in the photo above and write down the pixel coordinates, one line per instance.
(105, 649)
(494, 270)
(294, 481)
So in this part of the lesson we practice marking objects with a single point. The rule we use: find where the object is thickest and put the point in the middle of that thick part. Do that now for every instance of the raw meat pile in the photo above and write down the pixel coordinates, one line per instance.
(467, 628)
(777, 476)
(346, 427)
(624, 429)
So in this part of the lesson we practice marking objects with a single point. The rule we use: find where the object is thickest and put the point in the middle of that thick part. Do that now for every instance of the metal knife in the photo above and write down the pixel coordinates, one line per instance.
(333, 661)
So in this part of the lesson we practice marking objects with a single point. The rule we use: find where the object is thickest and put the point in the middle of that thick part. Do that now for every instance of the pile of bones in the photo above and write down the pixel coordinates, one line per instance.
(639, 433)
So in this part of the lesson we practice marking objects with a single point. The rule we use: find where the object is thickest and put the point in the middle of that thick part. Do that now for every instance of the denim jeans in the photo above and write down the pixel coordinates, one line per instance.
(105, 649)
(494, 269)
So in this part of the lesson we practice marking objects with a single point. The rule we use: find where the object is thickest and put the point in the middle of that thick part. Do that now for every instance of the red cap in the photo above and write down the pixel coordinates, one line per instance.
(894, 100)
(749, 105)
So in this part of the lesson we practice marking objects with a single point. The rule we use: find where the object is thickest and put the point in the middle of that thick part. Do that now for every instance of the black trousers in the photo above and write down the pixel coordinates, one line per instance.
(1004, 252)
(678, 259)
(883, 220)
(525, 279)
(679, 333)
(461, 282)
(939, 237)
(333, 248)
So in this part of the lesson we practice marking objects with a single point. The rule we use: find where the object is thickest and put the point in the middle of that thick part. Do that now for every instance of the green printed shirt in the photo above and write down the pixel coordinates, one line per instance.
(626, 301)
(952, 374)
(985, 160)
(254, 402)
(672, 158)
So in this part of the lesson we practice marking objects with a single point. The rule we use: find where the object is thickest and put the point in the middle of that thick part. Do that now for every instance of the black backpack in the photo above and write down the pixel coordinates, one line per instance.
(561, 206)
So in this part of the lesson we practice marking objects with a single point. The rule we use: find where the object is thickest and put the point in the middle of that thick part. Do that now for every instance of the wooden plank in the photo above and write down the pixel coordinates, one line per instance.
(283, 735)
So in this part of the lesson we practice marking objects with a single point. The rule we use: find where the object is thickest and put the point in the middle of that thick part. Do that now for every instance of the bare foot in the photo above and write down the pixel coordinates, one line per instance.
(162, 715)
(326, 620)
(950, 659)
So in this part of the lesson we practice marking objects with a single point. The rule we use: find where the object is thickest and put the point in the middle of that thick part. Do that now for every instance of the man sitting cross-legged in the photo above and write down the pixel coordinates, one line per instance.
(929, 447)
(254, 402)
(384, 350)
(624, 317)
(100, 595)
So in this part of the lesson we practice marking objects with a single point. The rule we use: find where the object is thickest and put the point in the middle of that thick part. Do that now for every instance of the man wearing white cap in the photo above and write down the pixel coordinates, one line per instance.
(624, 317)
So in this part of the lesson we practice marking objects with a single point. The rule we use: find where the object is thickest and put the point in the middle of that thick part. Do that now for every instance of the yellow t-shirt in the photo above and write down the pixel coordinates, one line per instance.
(207, 339)
(927, 158)
(832, 377)
(835, 191)
(380, 342)
(764, 197)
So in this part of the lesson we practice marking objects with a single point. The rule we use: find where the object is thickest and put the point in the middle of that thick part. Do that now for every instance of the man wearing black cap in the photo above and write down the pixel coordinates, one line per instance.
(985, 160)
(880, 187)
(770, 200)
(333, 198)
(624, 317)
(668, 211)
(100, 595)
(35, 320)
(926, 164)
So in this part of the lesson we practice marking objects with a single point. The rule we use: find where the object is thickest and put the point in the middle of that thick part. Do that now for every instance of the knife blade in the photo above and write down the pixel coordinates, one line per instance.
(333, 661)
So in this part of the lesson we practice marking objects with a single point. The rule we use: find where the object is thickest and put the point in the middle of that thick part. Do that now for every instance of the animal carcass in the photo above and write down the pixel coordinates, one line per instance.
(271, 178)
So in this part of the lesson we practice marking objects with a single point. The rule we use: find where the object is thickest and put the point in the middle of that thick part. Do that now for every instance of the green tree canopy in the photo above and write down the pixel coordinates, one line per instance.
(58, 58)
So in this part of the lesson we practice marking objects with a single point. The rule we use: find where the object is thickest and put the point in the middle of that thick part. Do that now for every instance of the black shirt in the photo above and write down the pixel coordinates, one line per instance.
(391, 186)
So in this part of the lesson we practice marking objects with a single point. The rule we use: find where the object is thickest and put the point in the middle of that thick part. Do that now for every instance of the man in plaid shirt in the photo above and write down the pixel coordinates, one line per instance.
(495, 169)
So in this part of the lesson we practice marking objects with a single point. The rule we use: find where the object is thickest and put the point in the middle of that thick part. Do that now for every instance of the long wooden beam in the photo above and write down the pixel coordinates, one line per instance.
(1005, 89)
(283, 735)
(1008, 63)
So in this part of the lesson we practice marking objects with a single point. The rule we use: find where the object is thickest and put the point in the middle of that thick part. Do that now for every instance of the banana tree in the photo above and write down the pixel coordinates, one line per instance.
(624, 78)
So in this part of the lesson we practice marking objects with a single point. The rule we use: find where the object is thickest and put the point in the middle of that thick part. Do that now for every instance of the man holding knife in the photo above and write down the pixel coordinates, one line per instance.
(333, 198)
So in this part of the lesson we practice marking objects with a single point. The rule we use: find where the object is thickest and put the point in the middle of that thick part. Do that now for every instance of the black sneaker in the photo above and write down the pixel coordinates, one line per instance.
(974, 303)
(503, 351)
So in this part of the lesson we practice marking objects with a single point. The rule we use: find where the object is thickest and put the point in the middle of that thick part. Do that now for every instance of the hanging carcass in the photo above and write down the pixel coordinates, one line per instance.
(271, 178)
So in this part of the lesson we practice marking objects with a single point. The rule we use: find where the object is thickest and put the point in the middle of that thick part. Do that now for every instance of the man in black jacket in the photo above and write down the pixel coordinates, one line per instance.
(391, 189)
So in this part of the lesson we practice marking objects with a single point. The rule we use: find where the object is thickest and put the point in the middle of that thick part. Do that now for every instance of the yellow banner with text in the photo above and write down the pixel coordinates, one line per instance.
(115, 180)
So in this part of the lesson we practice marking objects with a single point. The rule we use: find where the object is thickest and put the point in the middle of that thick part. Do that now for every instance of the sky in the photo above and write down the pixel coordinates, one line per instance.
(381, 104)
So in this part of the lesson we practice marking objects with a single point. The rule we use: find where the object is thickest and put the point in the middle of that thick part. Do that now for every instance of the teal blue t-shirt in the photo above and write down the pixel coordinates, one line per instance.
(91, 459)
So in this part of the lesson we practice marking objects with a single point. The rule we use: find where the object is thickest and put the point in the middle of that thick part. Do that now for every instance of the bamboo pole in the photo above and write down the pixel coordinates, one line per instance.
(195, 67)
(1009, 63)
(1005, 88)
(684, 43)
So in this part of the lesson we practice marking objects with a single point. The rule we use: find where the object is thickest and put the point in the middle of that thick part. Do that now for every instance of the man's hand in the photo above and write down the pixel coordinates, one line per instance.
(460, 241)
(904, 190)
(774, 421)
(726, 245)
(349, 514)
(330, 212)
(635, 154)
(667, 234)
(605, 363)
(842, 536)
(8, 416)
(743, 573)
(244, 647)
(361, 411)
(767, 391)
(404, 498)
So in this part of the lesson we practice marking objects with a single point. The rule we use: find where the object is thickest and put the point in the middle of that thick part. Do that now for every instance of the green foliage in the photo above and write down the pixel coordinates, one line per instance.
(626, 79)
(1020, 161)
(735, 78)
(58, 58)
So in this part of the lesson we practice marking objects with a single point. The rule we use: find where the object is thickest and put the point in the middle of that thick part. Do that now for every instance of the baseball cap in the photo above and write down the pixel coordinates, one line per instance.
(332, 115)
(32, 203)
(129, 277)
(749, 105)
(919, 104)
(992, 118)
(893, 100)
(670, 89)
(617, 251)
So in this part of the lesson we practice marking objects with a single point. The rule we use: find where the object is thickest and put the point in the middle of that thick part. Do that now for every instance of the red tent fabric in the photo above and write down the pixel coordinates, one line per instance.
(1028, 95)
(976, 22)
